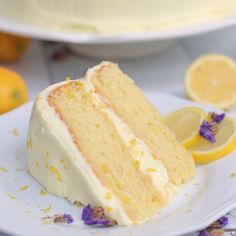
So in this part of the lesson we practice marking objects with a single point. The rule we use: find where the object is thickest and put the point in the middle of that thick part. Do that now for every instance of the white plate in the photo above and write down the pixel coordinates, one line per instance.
(210, 195)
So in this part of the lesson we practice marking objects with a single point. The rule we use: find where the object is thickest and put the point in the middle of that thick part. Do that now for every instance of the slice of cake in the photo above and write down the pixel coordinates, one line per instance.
(130, 104)
(81, 148)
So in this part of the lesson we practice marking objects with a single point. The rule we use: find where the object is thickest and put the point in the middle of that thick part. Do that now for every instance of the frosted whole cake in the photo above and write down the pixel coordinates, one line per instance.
(117, 16)
(135, 15)
(99, 141)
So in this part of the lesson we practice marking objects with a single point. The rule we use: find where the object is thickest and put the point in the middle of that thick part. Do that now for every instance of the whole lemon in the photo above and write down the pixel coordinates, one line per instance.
(12, 47)
(13, 90)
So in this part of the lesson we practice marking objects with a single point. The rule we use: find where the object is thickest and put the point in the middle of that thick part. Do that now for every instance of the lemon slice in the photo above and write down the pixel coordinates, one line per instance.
(203, 151)
(185, 124)
(211, 79)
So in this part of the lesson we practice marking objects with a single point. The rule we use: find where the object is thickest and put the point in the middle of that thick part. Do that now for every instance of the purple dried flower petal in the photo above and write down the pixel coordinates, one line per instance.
(86, 215)
(223, 221)
(90, 218)
(206, 131)
(203, 233)
(68, 218)
(217, 117)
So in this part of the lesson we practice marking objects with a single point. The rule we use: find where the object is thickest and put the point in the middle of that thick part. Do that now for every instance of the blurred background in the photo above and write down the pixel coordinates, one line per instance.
(44, 62)
(154, 45)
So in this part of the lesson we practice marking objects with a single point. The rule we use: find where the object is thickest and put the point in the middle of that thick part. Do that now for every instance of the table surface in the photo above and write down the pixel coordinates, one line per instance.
(163, 72)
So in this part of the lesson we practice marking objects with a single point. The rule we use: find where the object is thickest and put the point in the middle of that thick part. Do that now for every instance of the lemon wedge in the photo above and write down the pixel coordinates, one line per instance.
(211, 79)
(203, 151)
(185, 124)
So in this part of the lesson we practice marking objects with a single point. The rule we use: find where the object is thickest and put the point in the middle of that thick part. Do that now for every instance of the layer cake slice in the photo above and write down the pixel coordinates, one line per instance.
(82, 145)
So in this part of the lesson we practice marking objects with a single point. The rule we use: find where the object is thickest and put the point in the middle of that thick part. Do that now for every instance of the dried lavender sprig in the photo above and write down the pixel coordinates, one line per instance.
(96, 216)
(209, 129)
(68, 218)
(60, 218)
(217, 117)
(206, 131)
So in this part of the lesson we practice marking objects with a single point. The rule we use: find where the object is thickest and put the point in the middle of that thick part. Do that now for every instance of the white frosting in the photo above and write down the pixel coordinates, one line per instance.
(55, 161)
(115, 16)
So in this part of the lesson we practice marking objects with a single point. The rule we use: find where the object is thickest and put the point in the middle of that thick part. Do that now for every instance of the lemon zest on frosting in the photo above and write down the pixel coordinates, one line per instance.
(108, 196)
(37, 164)
(29, 143)
(151, 170)
(56, 172)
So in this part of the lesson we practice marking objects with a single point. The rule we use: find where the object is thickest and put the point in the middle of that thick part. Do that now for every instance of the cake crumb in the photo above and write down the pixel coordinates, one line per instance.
(47, 221)
(14, 132)
(196, 184)
(78, 203)
(12, 197)
(232, 175)
(46, 210)
(19, 169)
(189, 210)
(37, 164)
(18, 158)
(186, 194)
(16, 180)
(43, 192)
(3, 169)
(23, 188)
(151, 170)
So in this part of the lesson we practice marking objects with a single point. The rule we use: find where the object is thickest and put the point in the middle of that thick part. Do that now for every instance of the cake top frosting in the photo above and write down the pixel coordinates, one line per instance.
(120, 16)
